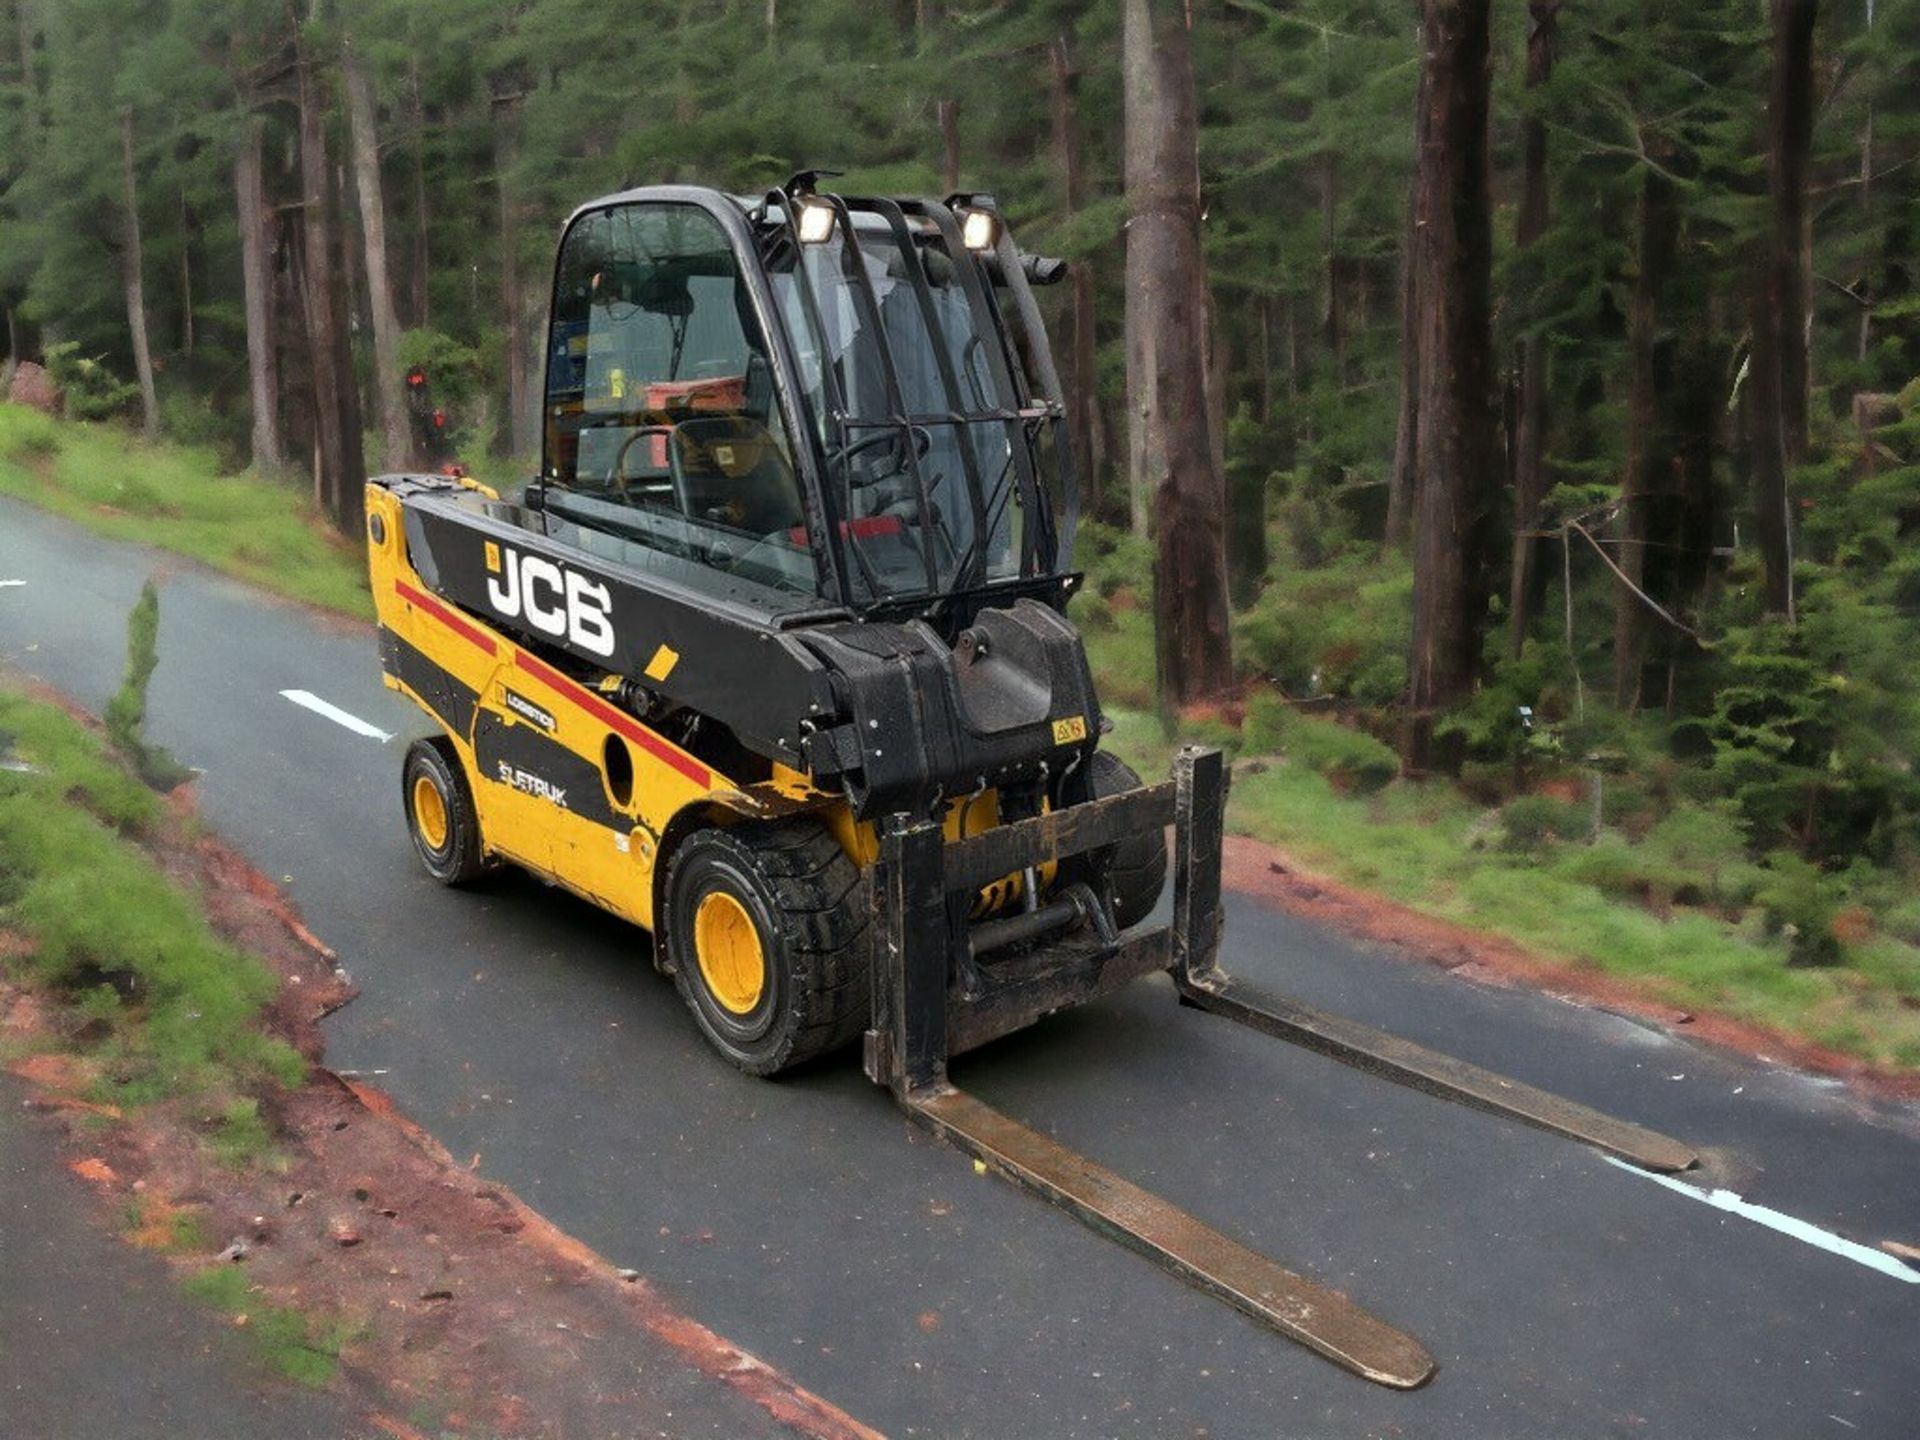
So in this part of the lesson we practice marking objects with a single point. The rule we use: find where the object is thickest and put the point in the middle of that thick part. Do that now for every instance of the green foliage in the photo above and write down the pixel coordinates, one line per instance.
(127, 711)
(1352, 760)
(1801, 905)
(1530, 822)
(88, 390)
(457, 371)
(1340, 631)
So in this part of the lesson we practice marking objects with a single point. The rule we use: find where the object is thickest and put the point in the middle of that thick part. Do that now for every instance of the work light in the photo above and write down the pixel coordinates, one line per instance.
(816, 221)
(979, 228)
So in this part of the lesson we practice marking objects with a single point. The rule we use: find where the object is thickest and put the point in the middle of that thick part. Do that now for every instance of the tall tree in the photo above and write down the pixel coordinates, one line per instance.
(1403, 477)
(1171, 451)
(514, 434)
(256, 282)
(1454, 430)
(1530, 405)
(1082, 369)
(1647, 452)
(132, 270)
(373, 228)
(340, 467)
(1777, 394)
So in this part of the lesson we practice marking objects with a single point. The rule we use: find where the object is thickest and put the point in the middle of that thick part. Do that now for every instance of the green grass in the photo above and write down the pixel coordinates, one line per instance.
(1430, 847)
(115, 936)
(175, 497)
(302, 1347)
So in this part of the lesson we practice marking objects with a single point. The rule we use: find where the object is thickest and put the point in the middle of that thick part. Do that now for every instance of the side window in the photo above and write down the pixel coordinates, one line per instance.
(663, 434)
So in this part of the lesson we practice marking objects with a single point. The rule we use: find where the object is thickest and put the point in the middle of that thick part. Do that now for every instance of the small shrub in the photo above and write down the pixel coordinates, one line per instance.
(1801, 905)
(28, 435)
(1351, 760)
(127, 710)
(1532, 822)
(90, 391)
(241, 1136)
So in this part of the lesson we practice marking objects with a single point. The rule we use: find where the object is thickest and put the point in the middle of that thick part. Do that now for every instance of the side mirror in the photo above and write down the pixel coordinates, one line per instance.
(1043, 269)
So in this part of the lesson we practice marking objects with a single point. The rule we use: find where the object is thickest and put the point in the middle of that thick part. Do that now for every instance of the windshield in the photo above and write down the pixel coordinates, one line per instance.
(901, 389)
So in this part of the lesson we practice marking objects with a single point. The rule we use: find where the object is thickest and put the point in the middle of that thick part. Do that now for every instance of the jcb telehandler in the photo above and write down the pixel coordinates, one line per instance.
(772, 659)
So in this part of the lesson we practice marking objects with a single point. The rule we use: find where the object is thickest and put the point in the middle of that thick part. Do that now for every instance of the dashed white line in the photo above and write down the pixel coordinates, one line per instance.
(1785, 1224)
(308, 700)
(9, 584)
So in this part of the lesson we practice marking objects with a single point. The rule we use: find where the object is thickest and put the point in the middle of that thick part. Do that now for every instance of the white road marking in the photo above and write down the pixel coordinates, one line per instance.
(310, 701)
(1785, 1224)
(9, 584)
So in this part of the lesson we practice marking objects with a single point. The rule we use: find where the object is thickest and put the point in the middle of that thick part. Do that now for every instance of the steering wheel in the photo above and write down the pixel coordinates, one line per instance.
(617, 472)
(922, 443)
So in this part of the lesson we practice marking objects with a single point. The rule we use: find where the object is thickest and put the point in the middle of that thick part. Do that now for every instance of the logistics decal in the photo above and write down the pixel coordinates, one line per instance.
(528, 711)
(553, 598)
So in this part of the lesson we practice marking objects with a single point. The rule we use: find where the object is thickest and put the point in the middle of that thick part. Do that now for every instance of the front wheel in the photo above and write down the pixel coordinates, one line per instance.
(767, 934)
(440, 812)
(1138, 870)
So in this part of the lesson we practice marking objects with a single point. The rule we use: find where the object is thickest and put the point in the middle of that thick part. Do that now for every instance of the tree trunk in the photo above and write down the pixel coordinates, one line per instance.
(340, 472)
(1777, 398)
(130, 269)
(1454, 439)
(949, 113)
(373, 227)
(1866, 208)
(1334, 327)
(256, 288)
(186, 276)
(513, 434)
(1167, 356)
(1403, 478)
(422, 257)
(1530, 430)
(1646, 449)
(1082, 368)
(31, 113)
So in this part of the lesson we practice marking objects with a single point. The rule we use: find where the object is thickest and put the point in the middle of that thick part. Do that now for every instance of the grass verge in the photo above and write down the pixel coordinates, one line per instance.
(168, 1009)
(175, 498)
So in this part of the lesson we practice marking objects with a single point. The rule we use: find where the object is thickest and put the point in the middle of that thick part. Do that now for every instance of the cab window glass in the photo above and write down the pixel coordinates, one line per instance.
(663, 435)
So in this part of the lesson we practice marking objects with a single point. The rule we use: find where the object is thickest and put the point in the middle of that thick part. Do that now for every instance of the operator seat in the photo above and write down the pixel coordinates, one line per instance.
(737, 472)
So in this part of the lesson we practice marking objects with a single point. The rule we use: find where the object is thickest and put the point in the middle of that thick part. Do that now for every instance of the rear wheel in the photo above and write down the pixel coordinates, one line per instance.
(440, 813)
(1138, 870)
(767, 933)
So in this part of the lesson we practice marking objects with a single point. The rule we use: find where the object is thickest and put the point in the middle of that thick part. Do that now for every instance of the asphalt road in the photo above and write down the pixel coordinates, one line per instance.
(1563, 1296)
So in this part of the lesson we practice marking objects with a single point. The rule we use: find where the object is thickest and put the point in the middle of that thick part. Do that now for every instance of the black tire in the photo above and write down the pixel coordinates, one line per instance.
(807, 904)
(1138, 870)
(449, 844)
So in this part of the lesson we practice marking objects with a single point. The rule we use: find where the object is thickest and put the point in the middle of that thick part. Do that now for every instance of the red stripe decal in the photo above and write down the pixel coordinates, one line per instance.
(462, 628)
(662, 750)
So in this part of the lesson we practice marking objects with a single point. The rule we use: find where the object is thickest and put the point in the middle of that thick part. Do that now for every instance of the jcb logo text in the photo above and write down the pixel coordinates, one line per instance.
(561, 602)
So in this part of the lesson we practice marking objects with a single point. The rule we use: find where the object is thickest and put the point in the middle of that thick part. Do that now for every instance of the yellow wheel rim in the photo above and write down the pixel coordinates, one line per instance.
(727, 944)
(430, 812)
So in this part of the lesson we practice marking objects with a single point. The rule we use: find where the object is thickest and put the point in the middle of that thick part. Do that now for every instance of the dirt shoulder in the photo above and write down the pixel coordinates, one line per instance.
(446, 1304)
(1269, 873)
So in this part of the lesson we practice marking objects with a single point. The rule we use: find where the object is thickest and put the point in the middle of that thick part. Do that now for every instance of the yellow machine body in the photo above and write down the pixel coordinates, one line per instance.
(653, 789)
